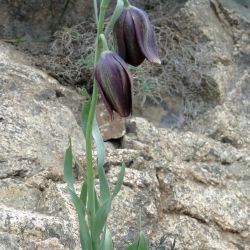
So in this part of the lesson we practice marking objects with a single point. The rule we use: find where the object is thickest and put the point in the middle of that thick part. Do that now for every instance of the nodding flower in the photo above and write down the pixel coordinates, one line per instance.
(115, 84)
(135, 38)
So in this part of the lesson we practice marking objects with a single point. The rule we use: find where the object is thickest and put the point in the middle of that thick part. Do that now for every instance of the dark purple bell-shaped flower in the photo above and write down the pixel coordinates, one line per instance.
(135, 37)
(114, 83)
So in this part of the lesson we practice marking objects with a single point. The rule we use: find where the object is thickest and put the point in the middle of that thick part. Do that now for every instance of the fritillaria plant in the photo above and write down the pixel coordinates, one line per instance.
(135, 41)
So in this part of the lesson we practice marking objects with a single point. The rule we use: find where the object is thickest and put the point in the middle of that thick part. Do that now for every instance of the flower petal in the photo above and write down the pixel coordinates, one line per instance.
(126, 87)
(134, 55)
(119, 35)
(145, 35)
(114, 83)
(104, 98)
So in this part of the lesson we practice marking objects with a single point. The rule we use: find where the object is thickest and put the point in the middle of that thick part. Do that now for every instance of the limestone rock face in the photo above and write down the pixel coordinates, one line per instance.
(37, 115)
(191, 184)
(32, 114)
(110, 128)
(226, 34)
(35, 21)
(203, 186)
(34, 127)
(208, 70)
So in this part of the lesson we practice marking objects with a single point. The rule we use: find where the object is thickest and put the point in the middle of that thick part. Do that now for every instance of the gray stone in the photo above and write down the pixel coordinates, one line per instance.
(110, 128)
(32, 229)
(229, 122)
(36, 117)
(203, 184)
(34, 128)
(31, 114)
(32, 23)
(190, 184)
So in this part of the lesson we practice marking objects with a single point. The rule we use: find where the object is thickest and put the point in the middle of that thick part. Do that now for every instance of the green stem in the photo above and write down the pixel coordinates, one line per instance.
(104, 42)
(96, 11)
(126, 3)
(89, 156)
(103, 8)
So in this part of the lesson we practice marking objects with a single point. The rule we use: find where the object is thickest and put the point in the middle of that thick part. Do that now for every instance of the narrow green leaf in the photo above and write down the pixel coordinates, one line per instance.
(139, 220)
(119, 181)
(84, 91)
(104, 187)
(133, 246)
(97, 203)
(68, 167)
(84, 192)
(143, 243)
(107, 243)
(173, 245)
(84, 231)
(116, 14)
(103, 237)
(140, 244)
(99, 143)
(100, 220)
(84, 116)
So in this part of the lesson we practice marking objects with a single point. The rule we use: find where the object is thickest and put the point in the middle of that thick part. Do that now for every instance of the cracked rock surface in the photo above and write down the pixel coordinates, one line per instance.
(191, 184)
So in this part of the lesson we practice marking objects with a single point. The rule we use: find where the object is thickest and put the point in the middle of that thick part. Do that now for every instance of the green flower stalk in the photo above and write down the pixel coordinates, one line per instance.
(89, 157)
(112, 79)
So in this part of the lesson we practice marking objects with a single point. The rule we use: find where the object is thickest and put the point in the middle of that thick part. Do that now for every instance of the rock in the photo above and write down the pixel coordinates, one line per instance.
(139, 192)
(22, 196)
(110, 129)
(47, 29)
(36, 117)
(34, 127)
(33, 230)
(31, 114)
(208, 237)
(199, 190)
(206, 52)
(229, 122)
(191, 183)
(31, 24)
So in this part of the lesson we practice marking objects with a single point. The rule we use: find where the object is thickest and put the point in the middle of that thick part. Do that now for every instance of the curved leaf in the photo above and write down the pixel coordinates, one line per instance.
(84, 193)
(140, 244)
(143, 243)
(104, 187)
(84, 116)
(84, 231)
(133, 246)
(97, 202)
(100, 220)
(68, 166)
(119, 181)
(107, 243)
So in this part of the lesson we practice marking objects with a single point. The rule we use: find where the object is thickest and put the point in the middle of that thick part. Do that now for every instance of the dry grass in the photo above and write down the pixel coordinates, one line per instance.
(182, 73)
(71, 54)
